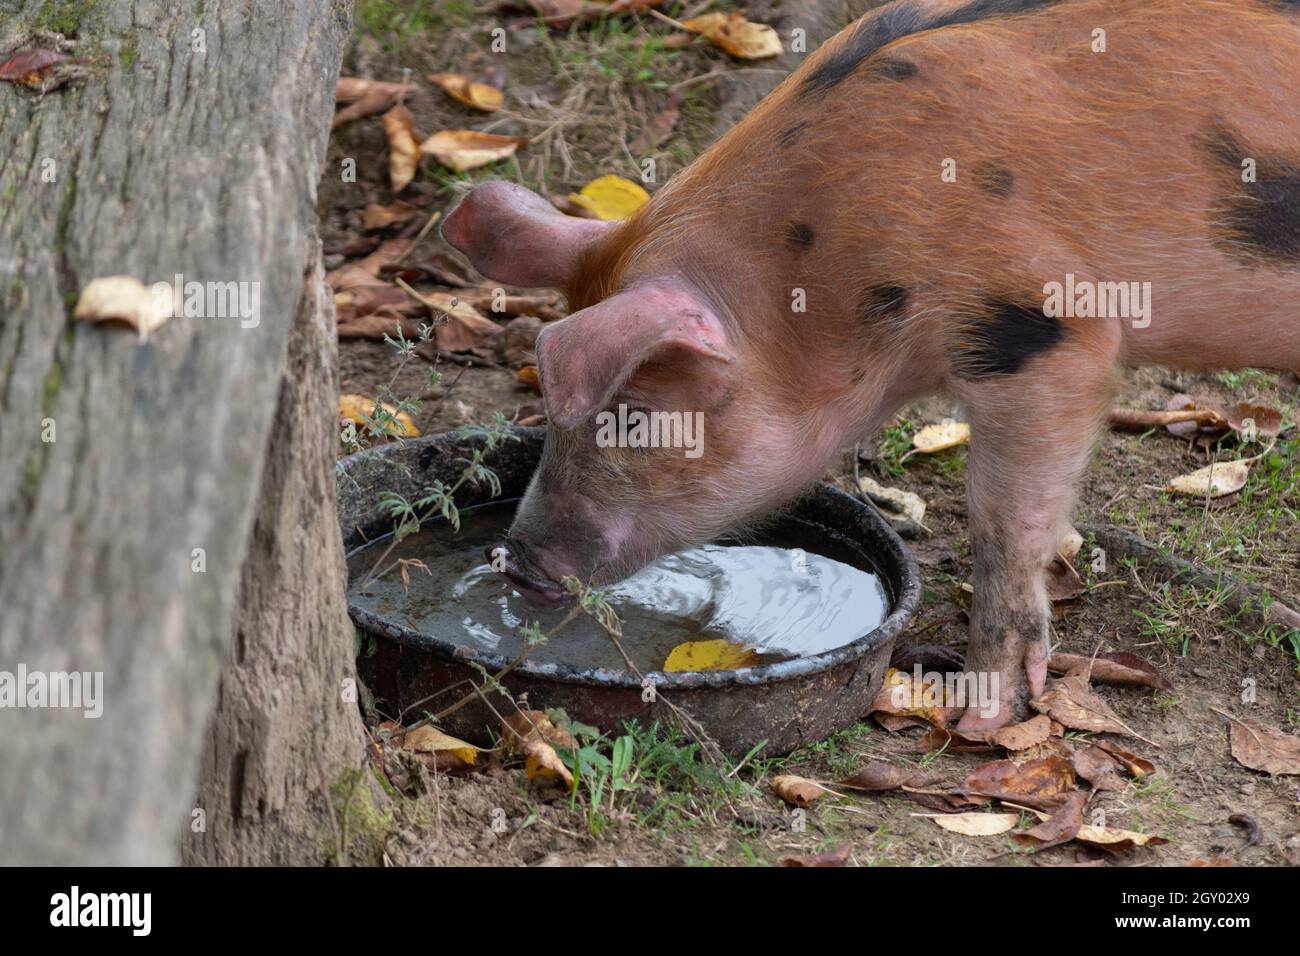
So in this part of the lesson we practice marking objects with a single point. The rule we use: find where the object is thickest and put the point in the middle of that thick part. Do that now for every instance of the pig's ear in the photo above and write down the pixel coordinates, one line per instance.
(585, 359)
(514, 236)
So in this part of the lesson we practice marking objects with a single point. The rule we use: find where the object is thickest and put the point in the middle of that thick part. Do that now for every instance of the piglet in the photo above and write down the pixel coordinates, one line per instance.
(1005, 201)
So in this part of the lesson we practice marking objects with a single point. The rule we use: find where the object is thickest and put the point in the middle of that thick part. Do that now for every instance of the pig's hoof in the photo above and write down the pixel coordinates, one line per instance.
(1003, 693)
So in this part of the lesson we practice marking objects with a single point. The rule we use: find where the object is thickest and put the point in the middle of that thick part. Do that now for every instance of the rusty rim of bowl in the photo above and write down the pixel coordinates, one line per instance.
(892, 561)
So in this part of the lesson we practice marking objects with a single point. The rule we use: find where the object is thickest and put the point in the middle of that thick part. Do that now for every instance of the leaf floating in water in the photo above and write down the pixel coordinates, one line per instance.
(716, 655)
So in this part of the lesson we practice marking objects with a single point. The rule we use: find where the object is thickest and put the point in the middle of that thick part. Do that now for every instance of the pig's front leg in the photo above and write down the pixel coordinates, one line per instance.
(1031, 435)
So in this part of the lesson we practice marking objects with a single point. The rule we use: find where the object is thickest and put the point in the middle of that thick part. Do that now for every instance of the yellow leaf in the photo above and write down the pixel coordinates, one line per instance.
(357, 408)
(936, 438)
(403, 151)
(1214, 481)
(125, 299)
(709, 656)
(431, 740)
(736, 35)
(462, 149)
(798, 791)
(611, 197)
(481, 96)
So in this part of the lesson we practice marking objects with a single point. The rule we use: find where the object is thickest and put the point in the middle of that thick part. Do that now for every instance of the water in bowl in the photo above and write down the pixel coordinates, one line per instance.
(795, 595)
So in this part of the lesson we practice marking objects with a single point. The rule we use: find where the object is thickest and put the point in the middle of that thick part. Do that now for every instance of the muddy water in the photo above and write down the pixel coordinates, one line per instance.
(793, 596)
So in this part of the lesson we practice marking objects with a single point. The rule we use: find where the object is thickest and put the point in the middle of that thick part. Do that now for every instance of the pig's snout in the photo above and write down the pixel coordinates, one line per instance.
(524, 574)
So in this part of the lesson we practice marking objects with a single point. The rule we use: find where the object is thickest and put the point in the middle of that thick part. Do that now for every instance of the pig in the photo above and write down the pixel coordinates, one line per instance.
(915, 211)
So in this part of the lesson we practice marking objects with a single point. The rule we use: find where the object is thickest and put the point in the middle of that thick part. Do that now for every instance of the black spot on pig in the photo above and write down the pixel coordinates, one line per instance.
(791, 134)
(883, 302)
(995, 180)
(800, 236)
(896, 21)
(893, 69)
(1002, 340)
(1257, 220)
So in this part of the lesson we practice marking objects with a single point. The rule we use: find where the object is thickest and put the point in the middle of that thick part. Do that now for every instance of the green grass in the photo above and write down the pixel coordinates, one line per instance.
(402, 17)
(63, 16)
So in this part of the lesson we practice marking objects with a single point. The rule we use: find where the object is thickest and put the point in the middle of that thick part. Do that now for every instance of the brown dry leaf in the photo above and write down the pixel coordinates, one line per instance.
(1112, 667)
(1261, 747)
(403, 148)
(1063, 582)
(31, 67)
(365, 98)
(1061, 827)
(440, 751)
(1136, 766)
(1116, 841)
(901, 696)
(462, 149)
(481, 96)
(1070, 701)
(736, 35)
(1263, 421)
(531, 733)
(357, 408)
(1014, 737)
(836, 857)
(1216, 861)
(661, 126)
(797, 791)
(974, 822)
(125, 299)
(1042, 782)
(1099, 768)
(877, 776)
(376, 327)
(464, 330)
(1213, 481)
(376, 217)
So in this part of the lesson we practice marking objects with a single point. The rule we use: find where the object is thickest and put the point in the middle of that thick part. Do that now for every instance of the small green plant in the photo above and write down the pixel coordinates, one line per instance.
(895, 443)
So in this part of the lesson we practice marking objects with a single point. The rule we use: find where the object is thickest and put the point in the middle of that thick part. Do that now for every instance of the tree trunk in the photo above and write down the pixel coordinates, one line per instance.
(126, 541)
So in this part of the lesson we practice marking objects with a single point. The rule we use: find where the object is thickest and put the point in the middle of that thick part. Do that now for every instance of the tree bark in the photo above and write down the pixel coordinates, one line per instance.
(200, 162)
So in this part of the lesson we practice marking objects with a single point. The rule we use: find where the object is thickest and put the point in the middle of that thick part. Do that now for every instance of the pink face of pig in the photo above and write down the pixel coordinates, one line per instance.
(601, 505)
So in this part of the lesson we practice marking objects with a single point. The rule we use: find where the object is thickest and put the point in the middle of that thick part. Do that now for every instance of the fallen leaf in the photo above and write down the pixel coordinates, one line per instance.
(1213, 481)
(1070, 701)
(358, 408)
(376, 217)
(901, 696)
(403, 150)
(877, 776)
(1116, 841)
(460, 327)
(611, 197)
(940, 437)
(529, 376)
(906, 503)
(1112, 667)
(31, 67)
(125, 299)
(1063, 581)
(797, 791)
(531, 733)
(1040, 783)
(1136, 766)
(1099, 768)
(365, 98)
(974, 822)
(734, 34)
(836, 857)
(1061, 827)
(462, 149)
(1258, 421)
(661, 126)
(1216, 861)
(448, 753)
(481, 96)
(1015, 737)
(1260, 747)
(718, 655)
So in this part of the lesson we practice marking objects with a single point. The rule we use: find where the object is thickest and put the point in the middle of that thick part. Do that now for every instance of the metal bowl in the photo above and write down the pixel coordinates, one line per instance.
(782, 705)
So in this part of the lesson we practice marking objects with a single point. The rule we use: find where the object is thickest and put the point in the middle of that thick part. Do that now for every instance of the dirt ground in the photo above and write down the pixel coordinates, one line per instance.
(589, 91)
